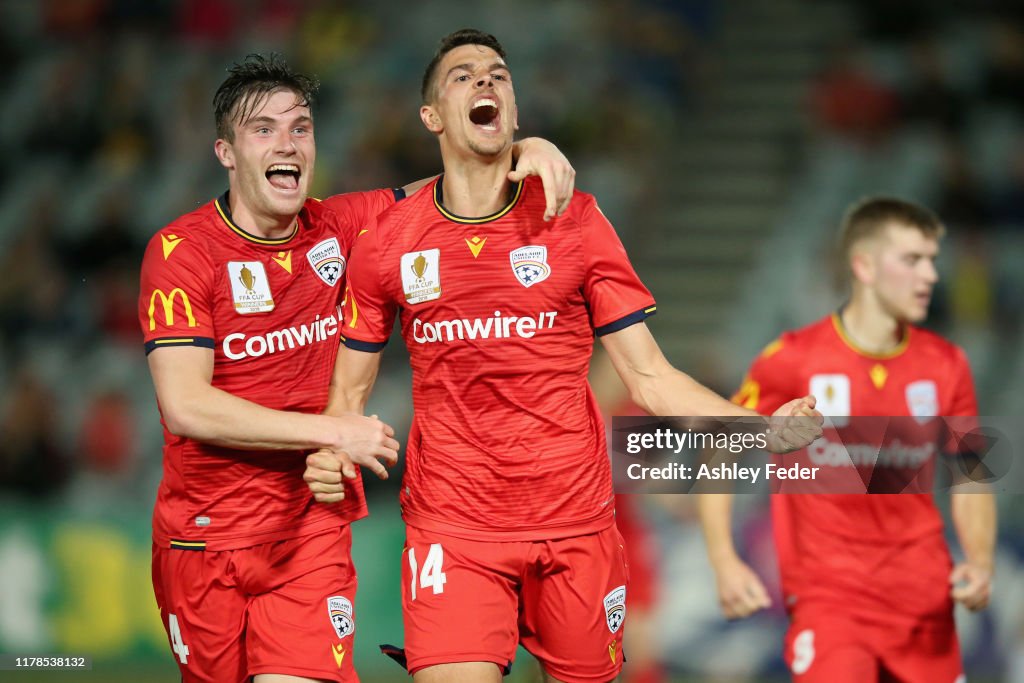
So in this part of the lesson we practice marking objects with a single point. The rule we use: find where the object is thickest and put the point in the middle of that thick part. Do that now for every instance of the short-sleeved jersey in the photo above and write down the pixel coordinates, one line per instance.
(270, 311)
(880, 554)
(499, 315)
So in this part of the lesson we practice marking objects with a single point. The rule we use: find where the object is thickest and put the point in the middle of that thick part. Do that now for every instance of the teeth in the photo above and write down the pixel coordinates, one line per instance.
(486, 102)
(283, 167)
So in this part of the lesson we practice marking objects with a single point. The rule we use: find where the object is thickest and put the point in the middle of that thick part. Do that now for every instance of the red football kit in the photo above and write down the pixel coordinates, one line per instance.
(270, 311)
(507, 470)
(866, 577)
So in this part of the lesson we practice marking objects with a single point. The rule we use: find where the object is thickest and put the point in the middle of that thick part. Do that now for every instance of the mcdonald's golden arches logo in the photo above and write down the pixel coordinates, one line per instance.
(167, 300)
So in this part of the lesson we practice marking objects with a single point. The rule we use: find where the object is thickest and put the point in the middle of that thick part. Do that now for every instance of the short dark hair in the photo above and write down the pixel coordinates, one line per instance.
(250, 82)
(465, 36)
(869, 216)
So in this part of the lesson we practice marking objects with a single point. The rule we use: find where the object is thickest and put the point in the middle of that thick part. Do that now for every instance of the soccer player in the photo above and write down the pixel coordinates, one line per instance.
(507, 493)
(239, 308)
(867, 579)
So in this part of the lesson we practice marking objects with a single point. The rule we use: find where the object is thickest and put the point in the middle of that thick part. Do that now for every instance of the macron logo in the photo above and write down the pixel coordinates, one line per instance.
(498, 327)
(237, 346)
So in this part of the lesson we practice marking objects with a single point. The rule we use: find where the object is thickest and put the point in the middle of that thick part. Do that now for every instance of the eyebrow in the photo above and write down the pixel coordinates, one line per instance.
(469, 67)
(269, 119)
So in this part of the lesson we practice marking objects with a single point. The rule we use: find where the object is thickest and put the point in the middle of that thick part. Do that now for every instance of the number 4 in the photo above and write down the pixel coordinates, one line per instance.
(432, 576)
(177, 646)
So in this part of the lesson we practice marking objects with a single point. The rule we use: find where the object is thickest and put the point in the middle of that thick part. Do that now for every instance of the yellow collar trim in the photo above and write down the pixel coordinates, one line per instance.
(837, 323)
(224, 209)
(473, 221)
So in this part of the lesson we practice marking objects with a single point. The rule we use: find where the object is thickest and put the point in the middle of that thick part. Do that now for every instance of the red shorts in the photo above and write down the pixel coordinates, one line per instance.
(825, 647)
(282, 607)
(474, 601)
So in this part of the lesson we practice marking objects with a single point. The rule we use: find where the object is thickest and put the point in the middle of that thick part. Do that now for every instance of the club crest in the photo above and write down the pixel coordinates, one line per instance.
(339, 608)
(615, 608)
(327, 261)
(923, 400)
(530, 264)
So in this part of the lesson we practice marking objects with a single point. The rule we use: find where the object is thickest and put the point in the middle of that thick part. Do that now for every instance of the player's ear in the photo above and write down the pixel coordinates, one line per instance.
(225, 153)
(430, 119)
(862, 266)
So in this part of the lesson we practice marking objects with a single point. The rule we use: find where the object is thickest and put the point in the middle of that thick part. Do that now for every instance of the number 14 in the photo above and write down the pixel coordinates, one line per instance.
(432, 576)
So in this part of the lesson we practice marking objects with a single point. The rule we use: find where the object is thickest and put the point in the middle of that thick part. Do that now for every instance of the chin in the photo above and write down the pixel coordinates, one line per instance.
(290, 206)
(916, 316)
(490, 148)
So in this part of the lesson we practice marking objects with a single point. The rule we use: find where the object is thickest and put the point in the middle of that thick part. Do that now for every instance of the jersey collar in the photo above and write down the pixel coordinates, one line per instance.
(439, 203)
(224, 209)
(837, 324)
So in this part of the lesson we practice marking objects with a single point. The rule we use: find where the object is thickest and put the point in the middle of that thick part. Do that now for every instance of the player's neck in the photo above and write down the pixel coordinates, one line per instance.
(475, 188)
(260, 225)
(871, 328)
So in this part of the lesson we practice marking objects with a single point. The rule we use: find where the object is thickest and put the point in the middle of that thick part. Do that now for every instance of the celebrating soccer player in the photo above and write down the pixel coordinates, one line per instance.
(507, 494)
(867, 579)
(239, 308)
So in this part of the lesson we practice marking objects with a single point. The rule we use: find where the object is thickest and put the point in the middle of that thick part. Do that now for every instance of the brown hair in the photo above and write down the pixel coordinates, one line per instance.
(249, 84)
(868, 217)
(466, 36)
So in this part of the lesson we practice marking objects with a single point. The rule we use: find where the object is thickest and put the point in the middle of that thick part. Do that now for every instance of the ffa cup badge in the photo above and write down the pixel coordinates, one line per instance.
(421, 275)
(249, 287)
(833, 397)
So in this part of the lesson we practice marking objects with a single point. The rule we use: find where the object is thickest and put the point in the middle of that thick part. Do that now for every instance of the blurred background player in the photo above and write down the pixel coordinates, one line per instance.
(867, 579)
(507, 494)
(238, 306)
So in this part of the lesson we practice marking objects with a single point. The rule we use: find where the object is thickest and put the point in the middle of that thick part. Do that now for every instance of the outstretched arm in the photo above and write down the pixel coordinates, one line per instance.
(660, 389)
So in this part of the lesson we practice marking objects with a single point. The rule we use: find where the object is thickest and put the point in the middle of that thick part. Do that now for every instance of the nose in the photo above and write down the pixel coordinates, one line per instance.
(484, 81)
(930, 274)
(285, 144)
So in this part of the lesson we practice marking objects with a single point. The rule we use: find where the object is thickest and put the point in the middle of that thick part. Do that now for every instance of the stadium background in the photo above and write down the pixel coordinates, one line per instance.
(723, 140)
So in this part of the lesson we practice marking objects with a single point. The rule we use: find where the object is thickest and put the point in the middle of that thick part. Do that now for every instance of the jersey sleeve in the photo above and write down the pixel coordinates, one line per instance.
(965, 402)
(614, 293)
(357, 209)
(176, 292)
(769, 382)
(369, 314)
(961, 418)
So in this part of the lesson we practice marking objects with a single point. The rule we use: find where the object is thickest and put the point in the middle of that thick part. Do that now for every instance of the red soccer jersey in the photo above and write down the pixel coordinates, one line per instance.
(499, 316)
(269, 309)
(881, 554)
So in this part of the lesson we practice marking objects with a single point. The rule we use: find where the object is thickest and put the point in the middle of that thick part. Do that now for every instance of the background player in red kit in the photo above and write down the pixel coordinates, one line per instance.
(507, 494)
(867, 579)
(239, 307)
